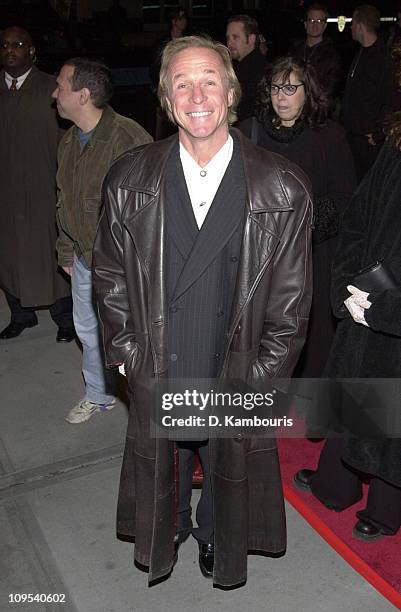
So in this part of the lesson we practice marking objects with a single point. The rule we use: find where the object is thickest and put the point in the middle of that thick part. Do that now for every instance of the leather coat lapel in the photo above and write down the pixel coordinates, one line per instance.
(146, 221)
(182, 227)
(258, 247)
(146, 227)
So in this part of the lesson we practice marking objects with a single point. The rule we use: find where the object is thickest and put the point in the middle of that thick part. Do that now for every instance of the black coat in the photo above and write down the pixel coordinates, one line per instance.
(369, 92)
(324, 155)
(29, 135)
(250, 72)
(325, 59)
(371, 230)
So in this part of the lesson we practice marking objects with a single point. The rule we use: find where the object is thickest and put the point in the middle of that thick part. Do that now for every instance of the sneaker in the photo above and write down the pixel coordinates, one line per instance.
(85, 409)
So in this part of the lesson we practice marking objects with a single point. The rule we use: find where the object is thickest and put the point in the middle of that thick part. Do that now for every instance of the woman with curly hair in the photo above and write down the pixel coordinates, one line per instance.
(292, 120)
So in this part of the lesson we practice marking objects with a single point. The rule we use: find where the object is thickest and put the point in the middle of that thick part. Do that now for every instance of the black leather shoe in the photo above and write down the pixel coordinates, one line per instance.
(65, 334)
(206, 559)
(15, 329)
(302, 479)
(363, 530)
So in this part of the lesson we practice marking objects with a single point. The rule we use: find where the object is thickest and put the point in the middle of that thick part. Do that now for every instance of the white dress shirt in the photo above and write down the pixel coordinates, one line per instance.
(9, 79)
(203, 183)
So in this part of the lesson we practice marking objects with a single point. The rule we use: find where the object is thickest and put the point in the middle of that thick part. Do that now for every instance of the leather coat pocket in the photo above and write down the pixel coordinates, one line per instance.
(92, 205)
(241, 362)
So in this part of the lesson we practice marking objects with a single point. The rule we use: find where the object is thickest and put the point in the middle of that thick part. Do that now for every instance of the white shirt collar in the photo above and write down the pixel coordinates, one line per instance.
(9, 79)
(203, 183)
(217, 161)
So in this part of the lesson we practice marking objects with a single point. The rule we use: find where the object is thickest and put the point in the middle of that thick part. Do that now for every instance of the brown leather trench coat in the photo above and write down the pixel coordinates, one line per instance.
(265, 336)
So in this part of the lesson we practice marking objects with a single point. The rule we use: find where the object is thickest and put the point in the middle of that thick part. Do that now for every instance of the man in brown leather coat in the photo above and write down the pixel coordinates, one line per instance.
(202, 270)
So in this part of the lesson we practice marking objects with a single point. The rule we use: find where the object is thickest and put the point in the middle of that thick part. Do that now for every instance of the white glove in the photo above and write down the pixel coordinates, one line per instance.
(357, 303)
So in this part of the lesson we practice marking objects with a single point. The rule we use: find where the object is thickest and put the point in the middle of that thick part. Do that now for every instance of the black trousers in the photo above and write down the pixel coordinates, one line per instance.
(60, 311)
(338, 485)
(204, 511)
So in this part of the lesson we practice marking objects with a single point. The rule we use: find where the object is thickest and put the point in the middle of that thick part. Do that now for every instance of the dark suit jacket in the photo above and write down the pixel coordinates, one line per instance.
(201, 270)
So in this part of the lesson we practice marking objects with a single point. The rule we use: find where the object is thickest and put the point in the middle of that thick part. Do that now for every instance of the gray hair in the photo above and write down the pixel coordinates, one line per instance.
(188, 42)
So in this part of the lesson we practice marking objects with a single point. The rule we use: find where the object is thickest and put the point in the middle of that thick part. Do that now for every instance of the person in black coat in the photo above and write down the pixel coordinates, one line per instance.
(370, 91)
(367, 345)
(319, 50)
(249, 63)
(291, 119)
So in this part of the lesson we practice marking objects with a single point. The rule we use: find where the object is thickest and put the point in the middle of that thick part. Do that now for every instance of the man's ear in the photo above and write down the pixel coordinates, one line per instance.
(85, 96)
(32, 51)
(230, 97)
(252, 39)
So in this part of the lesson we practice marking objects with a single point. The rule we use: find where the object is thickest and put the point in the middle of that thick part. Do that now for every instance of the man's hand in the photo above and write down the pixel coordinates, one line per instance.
(357, 303)
(371, 140)
(67, 270)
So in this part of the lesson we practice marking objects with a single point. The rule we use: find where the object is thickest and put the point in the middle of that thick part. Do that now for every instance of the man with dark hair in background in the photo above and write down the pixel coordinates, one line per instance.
(319, 50)
(86, 152)
(29, 135)
(370, 91)
(249, 63)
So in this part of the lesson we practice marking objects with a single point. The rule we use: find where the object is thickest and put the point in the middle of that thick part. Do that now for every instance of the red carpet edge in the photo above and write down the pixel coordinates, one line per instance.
(383, 587)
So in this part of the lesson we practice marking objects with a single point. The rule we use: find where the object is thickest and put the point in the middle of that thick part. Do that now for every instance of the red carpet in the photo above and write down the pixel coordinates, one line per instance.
(378, 562)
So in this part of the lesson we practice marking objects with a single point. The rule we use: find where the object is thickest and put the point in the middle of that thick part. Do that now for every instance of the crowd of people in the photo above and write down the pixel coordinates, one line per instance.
(217, 252)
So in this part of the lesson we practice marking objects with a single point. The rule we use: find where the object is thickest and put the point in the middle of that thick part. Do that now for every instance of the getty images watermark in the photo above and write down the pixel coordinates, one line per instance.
(313, 408)
(209, 408)
(193, 399)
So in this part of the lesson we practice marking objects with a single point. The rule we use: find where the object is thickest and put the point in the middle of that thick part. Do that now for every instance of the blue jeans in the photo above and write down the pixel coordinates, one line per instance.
(98, 381)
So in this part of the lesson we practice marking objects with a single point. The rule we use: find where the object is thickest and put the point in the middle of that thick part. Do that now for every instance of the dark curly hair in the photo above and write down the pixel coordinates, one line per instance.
(316, 107)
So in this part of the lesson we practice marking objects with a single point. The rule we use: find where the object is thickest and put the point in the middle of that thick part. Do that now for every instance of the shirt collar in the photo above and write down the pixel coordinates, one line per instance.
(9, 79)
(217, 163)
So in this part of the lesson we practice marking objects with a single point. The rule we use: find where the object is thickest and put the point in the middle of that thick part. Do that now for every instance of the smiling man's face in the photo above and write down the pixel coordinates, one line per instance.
(199, 97)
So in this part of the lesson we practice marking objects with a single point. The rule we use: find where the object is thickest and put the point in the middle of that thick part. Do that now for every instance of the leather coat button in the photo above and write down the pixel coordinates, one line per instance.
(233, 259)
(173, 308)
(238, 437)
(173, 357)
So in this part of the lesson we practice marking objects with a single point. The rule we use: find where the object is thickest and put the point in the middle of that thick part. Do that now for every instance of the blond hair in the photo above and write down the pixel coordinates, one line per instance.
(188, 42)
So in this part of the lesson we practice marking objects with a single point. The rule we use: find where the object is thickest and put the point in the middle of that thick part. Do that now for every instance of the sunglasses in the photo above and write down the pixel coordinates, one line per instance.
(18, 44)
